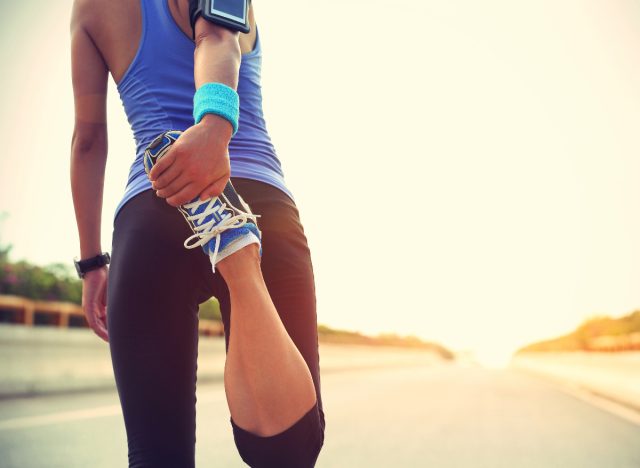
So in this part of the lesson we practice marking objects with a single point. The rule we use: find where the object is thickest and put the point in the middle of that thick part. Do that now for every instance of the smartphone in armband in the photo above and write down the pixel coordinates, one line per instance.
(232, 14)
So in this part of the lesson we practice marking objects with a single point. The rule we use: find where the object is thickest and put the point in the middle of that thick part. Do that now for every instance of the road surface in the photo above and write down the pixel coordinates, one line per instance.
(436, 415)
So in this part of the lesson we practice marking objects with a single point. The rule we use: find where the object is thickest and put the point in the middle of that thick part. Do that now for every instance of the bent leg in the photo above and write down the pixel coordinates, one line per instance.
(297, 431)
(269, 386)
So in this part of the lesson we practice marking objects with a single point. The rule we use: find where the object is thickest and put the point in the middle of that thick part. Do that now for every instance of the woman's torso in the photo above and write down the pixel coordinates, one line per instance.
(148, 49)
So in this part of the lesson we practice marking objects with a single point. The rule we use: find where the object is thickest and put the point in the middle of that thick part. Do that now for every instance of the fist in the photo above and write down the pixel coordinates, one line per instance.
(196, 165)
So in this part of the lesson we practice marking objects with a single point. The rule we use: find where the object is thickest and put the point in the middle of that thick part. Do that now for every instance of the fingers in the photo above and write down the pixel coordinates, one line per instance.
(163, 163)
(96, 317)
(101, 331)
(174, 187)
(190, 191)
(214, 189)
(195, 166)
(94, 299)
(102, 313)
(168, 176)
(184, 195)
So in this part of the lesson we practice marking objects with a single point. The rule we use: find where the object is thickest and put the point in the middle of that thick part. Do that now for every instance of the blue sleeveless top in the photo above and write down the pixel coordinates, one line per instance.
(157, 95)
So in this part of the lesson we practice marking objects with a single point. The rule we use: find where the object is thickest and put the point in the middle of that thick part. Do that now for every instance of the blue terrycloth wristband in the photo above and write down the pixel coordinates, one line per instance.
(219, 99)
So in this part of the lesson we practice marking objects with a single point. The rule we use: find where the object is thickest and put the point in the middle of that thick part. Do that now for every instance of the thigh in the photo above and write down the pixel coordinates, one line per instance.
(152, 317)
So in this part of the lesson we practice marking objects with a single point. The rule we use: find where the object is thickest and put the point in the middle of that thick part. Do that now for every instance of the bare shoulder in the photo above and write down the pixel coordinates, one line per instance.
(114, 27)
(99, 15)
(84, 12)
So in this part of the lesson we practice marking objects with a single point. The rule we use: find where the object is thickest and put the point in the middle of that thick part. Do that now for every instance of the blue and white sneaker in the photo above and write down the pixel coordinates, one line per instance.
(221, 225)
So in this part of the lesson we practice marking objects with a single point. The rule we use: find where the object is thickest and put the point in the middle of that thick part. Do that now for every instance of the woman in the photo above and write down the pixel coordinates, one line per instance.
(145, 305)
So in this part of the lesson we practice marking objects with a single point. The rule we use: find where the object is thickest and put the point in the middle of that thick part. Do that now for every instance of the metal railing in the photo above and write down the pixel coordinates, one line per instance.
(24, 311)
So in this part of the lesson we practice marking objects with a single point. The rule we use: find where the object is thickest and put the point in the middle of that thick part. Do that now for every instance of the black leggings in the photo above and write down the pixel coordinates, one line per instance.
(155, 286)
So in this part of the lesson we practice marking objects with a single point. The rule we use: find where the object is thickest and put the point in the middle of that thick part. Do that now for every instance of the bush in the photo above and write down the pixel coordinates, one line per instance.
(56, 282)
(210, 310)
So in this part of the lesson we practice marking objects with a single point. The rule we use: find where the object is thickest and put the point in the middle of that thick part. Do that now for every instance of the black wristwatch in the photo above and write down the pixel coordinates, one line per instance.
(88, 264)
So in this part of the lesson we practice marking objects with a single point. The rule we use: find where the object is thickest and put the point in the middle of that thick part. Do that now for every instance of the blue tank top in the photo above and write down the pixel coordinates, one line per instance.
(157, 95)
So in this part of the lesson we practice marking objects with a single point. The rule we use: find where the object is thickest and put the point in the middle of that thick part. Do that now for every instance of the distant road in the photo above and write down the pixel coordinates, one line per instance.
(434, 415)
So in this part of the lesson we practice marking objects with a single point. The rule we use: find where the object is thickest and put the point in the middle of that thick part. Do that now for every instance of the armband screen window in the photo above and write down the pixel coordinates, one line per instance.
(235, 10)
(231, 14)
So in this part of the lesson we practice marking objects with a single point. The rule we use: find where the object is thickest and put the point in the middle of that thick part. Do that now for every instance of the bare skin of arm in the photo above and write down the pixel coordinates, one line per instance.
(198, 163)
(88, 160)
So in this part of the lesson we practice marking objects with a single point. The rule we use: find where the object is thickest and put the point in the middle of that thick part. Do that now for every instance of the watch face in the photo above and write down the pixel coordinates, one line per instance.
(78, 269)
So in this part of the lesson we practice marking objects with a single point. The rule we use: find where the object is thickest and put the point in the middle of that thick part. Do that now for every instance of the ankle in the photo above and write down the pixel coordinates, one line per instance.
(240, 264)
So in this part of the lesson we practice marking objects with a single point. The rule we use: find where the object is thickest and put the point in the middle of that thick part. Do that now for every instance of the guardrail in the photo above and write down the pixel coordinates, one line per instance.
(24, 312)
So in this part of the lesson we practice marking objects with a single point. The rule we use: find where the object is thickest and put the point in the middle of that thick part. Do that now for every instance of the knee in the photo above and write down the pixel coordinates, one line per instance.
(296, 447)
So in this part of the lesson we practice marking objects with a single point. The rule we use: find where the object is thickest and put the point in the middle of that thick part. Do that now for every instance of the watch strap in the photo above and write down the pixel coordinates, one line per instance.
(86, 265)
(195, 9)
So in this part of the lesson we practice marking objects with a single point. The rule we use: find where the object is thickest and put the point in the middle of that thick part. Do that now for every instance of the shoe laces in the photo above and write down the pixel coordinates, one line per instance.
(220, 221)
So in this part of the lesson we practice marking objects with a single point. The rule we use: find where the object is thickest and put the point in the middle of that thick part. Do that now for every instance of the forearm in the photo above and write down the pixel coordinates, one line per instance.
(88, 161)
(199, 160)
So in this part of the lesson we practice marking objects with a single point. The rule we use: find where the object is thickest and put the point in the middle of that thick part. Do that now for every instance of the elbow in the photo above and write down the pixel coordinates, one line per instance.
(83, 142)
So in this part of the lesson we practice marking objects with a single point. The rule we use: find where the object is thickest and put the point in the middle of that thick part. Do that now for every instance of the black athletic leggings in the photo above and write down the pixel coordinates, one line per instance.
(155, 286)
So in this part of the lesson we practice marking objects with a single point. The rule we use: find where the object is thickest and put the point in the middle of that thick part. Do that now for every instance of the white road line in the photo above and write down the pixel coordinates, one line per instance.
(598, 401)
(78, 415)
(56, 418)
(583, 393)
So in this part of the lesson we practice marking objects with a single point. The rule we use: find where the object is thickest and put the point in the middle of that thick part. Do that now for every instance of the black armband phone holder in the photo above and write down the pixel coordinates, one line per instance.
(231, 14)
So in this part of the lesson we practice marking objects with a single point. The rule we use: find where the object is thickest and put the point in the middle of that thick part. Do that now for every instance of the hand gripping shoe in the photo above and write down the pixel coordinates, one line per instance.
(221, 225)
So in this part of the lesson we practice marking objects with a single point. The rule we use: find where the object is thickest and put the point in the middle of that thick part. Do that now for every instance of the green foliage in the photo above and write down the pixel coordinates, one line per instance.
(210, 310)
(51, 283)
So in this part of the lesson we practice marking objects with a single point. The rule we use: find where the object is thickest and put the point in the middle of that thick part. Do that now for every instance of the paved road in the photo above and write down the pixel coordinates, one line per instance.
(429, 416)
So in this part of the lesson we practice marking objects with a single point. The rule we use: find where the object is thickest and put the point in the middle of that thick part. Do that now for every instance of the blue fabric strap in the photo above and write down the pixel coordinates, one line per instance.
(219, 99)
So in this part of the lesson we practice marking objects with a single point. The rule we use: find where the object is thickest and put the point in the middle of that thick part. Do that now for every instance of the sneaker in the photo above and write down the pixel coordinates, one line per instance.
(221, 225)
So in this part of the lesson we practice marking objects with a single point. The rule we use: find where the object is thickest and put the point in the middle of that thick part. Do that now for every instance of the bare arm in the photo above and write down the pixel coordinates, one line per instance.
(88, 160)
(217, 55)
(198, 163)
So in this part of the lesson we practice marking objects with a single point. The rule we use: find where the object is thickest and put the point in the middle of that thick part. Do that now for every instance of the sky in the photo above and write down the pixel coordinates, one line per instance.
(465, 171)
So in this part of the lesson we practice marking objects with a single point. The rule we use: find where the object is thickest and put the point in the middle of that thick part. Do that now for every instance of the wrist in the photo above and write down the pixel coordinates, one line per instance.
(218, 124)
(217, 99)
(95, 271)
(88, 264)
